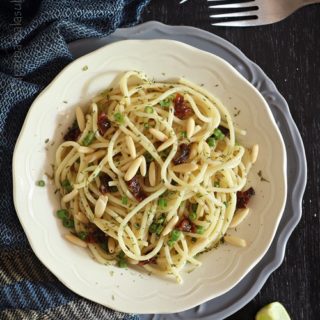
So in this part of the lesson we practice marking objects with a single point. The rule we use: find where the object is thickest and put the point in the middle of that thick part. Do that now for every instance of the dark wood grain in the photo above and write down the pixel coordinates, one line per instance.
(289, 52)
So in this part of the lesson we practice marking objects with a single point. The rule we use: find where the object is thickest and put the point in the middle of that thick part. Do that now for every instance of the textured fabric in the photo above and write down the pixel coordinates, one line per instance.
(33, 49)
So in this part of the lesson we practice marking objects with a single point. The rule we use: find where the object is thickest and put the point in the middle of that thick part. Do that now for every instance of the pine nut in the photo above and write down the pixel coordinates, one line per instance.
(143, 166)
(206, 148)
(83, 149)
(185, 167)
(254, 153)
(158, 134)
(235, 241)
(95, 156)
(131, 147)
(100, 206)
(111, 244)
(193, 151)
(166, 144)
(69, 196)
(80, 118)
(131, 172)
(75, 240)
(238, 217)
(152, 174)
(190, 127)
(170, 225)
(81, 217)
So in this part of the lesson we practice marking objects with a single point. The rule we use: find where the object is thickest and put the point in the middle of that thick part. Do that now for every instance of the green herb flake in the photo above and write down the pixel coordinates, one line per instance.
(82, 235)
(162, 203)
(193, 216)
(183, 134)
(62, 213)
(200, 230)
(124, 200)
(118, 117)
(87, 140)
(66, 185)
(211, 141)
(218, 134)
(68, 223)
(85, 68)
(166, 102)
(46, 141)
(148, 109)
(40, 183)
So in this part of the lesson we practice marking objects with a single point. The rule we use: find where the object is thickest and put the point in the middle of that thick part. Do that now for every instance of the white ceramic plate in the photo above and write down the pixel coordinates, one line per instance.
(53, 111)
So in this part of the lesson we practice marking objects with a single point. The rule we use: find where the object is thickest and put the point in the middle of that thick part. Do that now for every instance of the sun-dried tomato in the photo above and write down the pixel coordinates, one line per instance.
(243, 197)
(96, 236)
(182, 155)
(153, 260)
(186, 225)
(104, 184)
(103, 123)
(136, 190)
(182, 110)
(72, 134)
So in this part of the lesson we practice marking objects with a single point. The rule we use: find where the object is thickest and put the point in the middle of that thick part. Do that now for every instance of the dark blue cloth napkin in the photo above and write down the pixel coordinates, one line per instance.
(33, 49)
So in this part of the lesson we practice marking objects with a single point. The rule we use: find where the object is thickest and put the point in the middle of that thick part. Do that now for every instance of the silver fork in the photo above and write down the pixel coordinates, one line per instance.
(247, 13)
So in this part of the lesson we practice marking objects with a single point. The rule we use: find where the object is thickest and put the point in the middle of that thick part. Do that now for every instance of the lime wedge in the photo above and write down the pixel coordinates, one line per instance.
(273, 311)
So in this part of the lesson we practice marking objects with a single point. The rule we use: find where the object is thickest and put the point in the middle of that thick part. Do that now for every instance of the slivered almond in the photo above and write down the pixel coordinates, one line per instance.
(143, 166)
(95, 156)
(131, 172)
(152, 174)
(131, 147)
(111, 244)
(80, 118)
(190, 127)
(75, 240)
(100, 206)
(158, 134)
(235, 241)
(83, 149)
(166, 144)
(81, 217)
(69, 196)
(238, 217)
(254, 153)
(193, 151)
(185, 167)
(170, 225)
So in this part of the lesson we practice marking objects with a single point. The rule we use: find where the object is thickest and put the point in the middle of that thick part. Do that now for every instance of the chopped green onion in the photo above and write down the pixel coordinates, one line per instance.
(193, 216)
(159, 229)
(166, 102)
(62, 214)
(211, 142)
(124, 200)
(67, 185)
(88, 138)
(148, 109)
(183, 134)
(175, 235)
(122, 264)
(119, 117)
(162, 203)
(171, 243)
(68, 223)
(40, 183)
(83, 235)
(218, 134)
(200, 230)
(153, 228)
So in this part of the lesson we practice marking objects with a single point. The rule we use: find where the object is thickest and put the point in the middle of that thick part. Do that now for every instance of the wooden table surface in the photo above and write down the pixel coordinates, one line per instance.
(289, 53)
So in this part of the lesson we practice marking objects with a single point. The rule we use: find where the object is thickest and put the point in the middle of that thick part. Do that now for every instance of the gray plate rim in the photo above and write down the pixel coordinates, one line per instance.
(230, 302)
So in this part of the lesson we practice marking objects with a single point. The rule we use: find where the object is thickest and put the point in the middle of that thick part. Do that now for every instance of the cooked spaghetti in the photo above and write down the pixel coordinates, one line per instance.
(151, 174)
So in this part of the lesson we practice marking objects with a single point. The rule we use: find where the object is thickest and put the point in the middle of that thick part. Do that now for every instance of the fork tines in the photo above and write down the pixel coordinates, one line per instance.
(227, 12)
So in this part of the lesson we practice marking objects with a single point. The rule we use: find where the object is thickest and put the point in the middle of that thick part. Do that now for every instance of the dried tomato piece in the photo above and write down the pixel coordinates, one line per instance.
(72, 134)
(96, 236)
(243, 197)
(103, 123)
(104, 184)
(181, 109)
(186, 225)
(153, 260)
(182, 155)
(136, 190)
